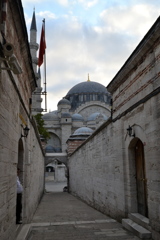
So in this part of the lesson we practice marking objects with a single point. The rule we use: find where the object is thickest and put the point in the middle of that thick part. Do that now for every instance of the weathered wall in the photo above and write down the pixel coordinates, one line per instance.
(15, 114)
(33, 174)
(60, 173)
(102, 171)
(96, 174)
(72, 145)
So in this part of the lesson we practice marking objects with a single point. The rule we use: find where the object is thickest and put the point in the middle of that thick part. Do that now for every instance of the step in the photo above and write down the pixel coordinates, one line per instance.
(140, 219)
(139, 231)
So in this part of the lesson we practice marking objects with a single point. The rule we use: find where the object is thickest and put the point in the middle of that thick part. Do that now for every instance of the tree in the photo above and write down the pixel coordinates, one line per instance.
(40, 124)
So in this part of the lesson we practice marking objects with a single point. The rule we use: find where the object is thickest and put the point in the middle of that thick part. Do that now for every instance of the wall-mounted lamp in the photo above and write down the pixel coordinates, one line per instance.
(130, 131)
(25, 130)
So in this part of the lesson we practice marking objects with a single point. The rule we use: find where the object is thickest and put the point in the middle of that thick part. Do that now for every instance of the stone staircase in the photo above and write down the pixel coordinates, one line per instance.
(138, 224)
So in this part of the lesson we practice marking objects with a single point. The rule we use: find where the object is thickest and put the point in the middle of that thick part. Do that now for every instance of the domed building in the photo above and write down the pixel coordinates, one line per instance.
(85, 107)
(77, 138)
(86, 92)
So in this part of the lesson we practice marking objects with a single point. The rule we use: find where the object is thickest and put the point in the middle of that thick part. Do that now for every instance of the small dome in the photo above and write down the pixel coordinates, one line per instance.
(66, 115)
(77, 117)
(64, 101)
(51, 149)
(50, 116)
(83, 131)
(94, 116)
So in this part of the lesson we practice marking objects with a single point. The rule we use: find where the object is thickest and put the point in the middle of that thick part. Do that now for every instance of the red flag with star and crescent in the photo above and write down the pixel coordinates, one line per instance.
(42, 46)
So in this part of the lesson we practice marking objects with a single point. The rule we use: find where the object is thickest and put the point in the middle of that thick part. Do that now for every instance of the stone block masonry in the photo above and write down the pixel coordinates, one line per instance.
(25, 153)
(111, 165)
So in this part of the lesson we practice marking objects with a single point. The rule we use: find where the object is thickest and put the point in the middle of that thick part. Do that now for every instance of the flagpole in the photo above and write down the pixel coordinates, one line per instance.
(45, 82)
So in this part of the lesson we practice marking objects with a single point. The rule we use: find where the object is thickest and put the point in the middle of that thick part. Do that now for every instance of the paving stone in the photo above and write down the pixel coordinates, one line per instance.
(62, 216)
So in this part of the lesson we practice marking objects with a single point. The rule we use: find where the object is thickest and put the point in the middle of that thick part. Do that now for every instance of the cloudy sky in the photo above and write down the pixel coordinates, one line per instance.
(88, 36)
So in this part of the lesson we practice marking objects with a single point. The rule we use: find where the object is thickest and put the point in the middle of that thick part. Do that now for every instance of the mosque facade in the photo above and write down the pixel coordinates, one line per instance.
(84, 108)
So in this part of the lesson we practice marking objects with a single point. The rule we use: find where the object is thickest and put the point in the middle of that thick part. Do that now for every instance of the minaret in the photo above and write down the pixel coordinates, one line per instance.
(36, 96)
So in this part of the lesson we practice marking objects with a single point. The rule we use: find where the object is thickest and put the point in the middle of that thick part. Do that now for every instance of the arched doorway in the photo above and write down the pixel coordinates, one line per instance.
(20, 164)
(20, 167)
(136, 190)
(141, 182)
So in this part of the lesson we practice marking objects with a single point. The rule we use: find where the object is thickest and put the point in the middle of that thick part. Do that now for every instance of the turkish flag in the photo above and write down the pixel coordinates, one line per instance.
(42, 47)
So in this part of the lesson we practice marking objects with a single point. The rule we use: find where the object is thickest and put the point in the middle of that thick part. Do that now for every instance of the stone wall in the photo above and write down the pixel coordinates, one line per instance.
(15, 113)
(60, 173)
(103, 170)
(34, 170)
(95, 172)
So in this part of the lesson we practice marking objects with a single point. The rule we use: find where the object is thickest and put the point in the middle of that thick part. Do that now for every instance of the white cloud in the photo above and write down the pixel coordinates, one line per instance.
(46, 14)
(75, 48)
(134, 20)
(88, 4)
(64, 3)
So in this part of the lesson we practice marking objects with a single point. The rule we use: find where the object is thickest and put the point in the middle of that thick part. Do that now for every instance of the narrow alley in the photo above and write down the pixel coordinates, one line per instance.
(62, 216)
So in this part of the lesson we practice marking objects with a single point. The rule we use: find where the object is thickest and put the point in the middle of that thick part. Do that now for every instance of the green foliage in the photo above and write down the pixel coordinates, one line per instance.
(40, 124)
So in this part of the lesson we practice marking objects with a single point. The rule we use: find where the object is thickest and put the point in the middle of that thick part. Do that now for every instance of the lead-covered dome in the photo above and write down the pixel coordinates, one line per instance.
(86, 92)
(66, 115)
(87, 87)
(83, 131)
(64, 102)
(51, 116)
(77, 117)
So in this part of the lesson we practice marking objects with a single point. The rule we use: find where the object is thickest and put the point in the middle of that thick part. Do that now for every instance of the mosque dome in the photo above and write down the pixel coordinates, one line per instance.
(83, 131)
(64, 101)
(50, 116)
(86, 92)
(94, 116)
(66, 115)
(87, 87)
(77, 117)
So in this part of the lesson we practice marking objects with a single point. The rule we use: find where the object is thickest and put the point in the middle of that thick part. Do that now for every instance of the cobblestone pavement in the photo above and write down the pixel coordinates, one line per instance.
(61, 216)
(85, 231)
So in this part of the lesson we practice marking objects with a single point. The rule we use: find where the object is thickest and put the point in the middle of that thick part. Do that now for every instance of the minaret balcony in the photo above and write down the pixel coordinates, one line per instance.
(35, 60)
(34, 46)
(40, 100)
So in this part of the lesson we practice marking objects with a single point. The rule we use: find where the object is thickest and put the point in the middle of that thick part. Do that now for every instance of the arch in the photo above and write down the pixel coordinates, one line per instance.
(137, 201)
(54, 140)
(104, 106)
(50, 159)
(50, 168)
